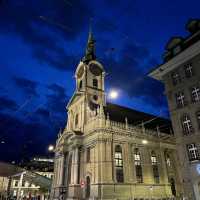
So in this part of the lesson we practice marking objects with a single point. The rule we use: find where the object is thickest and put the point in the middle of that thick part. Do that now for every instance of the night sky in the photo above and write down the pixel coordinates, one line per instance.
(41, 43)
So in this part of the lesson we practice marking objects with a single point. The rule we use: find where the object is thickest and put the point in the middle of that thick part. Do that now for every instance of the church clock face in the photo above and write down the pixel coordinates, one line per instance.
(95, 69)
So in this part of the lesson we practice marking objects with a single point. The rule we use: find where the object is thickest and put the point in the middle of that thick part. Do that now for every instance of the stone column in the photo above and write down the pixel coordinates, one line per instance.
(163, 168)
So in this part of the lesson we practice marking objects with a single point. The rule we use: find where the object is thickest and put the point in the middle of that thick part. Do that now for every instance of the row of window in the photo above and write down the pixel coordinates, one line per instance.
(193, 152)
(187, 123)
(94, 83)
(189, 72)
(138, 165)
(181, 100)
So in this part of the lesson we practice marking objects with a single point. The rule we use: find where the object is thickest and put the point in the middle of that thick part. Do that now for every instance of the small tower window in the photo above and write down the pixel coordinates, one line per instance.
(95, 83)
(80, 84)
(76, 120)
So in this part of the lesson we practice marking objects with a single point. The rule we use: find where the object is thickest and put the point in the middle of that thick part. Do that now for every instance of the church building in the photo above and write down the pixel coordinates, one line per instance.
(107, 151)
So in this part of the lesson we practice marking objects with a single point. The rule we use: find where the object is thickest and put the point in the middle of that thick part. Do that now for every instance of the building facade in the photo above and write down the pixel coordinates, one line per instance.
(34, 180)
(108, 151)
(180, 73)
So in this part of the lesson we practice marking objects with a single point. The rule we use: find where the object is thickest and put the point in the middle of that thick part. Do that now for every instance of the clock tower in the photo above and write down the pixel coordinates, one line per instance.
(89, 95)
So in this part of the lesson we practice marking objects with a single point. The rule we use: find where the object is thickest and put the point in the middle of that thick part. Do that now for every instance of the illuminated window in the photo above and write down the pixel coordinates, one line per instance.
(119, 164)
(193, 152)
(95, 83)
(138, 166)
(188, 70)
(187, 125)
(195, 94)
(155, 167)
(180, 100)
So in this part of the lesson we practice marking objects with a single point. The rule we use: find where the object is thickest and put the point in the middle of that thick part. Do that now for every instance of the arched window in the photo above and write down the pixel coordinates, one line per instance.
(155, 167)
(87, 192)
(138, 165)
(119, 164)
(95, 83)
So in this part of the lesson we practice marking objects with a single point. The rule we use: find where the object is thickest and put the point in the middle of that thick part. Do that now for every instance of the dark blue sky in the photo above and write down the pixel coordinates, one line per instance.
(41, 43)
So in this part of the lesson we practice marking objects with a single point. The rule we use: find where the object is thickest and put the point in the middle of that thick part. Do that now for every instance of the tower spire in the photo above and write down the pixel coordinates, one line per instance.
(90, 49)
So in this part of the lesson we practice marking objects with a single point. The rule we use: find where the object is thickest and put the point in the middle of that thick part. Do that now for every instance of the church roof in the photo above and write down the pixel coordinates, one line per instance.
(119, 113)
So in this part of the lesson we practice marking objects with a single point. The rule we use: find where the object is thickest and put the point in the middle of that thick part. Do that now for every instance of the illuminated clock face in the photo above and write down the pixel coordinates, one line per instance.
(95, 69)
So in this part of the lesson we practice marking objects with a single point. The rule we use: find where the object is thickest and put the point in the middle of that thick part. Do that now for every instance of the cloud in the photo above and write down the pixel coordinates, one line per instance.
(21, 138)
(60, 61)
(29, 87)
(7, 104)
(37, 23)
(131, 64)
(57, 101)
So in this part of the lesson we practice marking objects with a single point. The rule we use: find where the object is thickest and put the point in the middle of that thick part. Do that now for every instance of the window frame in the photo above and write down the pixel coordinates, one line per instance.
(189, 73)
(175, 76)
(138, 166)
(95, 83)
(187, 129)
(118, 161)
(195, 95)
(180, 102)
(193, 152)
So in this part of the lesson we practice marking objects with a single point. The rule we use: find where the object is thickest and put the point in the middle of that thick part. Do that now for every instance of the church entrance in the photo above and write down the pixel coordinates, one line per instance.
(87, 192)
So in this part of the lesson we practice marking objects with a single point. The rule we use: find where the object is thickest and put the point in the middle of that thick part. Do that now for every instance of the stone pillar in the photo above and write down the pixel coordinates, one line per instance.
(163, 168)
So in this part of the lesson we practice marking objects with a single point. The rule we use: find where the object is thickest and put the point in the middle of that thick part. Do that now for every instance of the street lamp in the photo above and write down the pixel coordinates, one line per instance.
(50, 148)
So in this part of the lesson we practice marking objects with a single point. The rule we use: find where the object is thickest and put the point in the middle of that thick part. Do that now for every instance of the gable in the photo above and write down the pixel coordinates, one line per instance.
(74, 98)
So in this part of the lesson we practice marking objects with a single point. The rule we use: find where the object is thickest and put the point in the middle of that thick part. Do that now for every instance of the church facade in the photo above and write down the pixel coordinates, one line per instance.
(108, 151)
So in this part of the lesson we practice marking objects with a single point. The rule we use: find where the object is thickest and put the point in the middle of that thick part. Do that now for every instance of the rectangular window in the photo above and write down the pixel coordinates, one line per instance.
(139, 176)
(187, 125)
(193, 152)
(180, 100)
(188, 70)
(195, 94)
(175, 78)
(95, 83)
(118, 159)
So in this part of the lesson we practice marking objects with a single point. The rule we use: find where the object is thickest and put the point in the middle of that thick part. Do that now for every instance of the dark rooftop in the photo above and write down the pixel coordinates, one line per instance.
(119, 113)
(178, 44)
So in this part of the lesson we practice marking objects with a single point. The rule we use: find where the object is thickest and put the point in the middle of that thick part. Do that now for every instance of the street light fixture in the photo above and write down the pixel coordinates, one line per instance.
(50, 148)
(113, 94)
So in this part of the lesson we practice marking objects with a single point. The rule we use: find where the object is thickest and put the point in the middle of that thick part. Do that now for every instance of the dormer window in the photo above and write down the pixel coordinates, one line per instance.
(176, 78)
(95, 83)
(188, 70)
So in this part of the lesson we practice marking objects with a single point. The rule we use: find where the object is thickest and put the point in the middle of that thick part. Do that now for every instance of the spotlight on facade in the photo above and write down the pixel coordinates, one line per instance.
(113, 94)
(50, 148)
(144, 141)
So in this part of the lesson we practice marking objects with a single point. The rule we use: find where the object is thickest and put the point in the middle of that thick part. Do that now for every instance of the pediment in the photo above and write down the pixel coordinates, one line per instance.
(74, 98)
